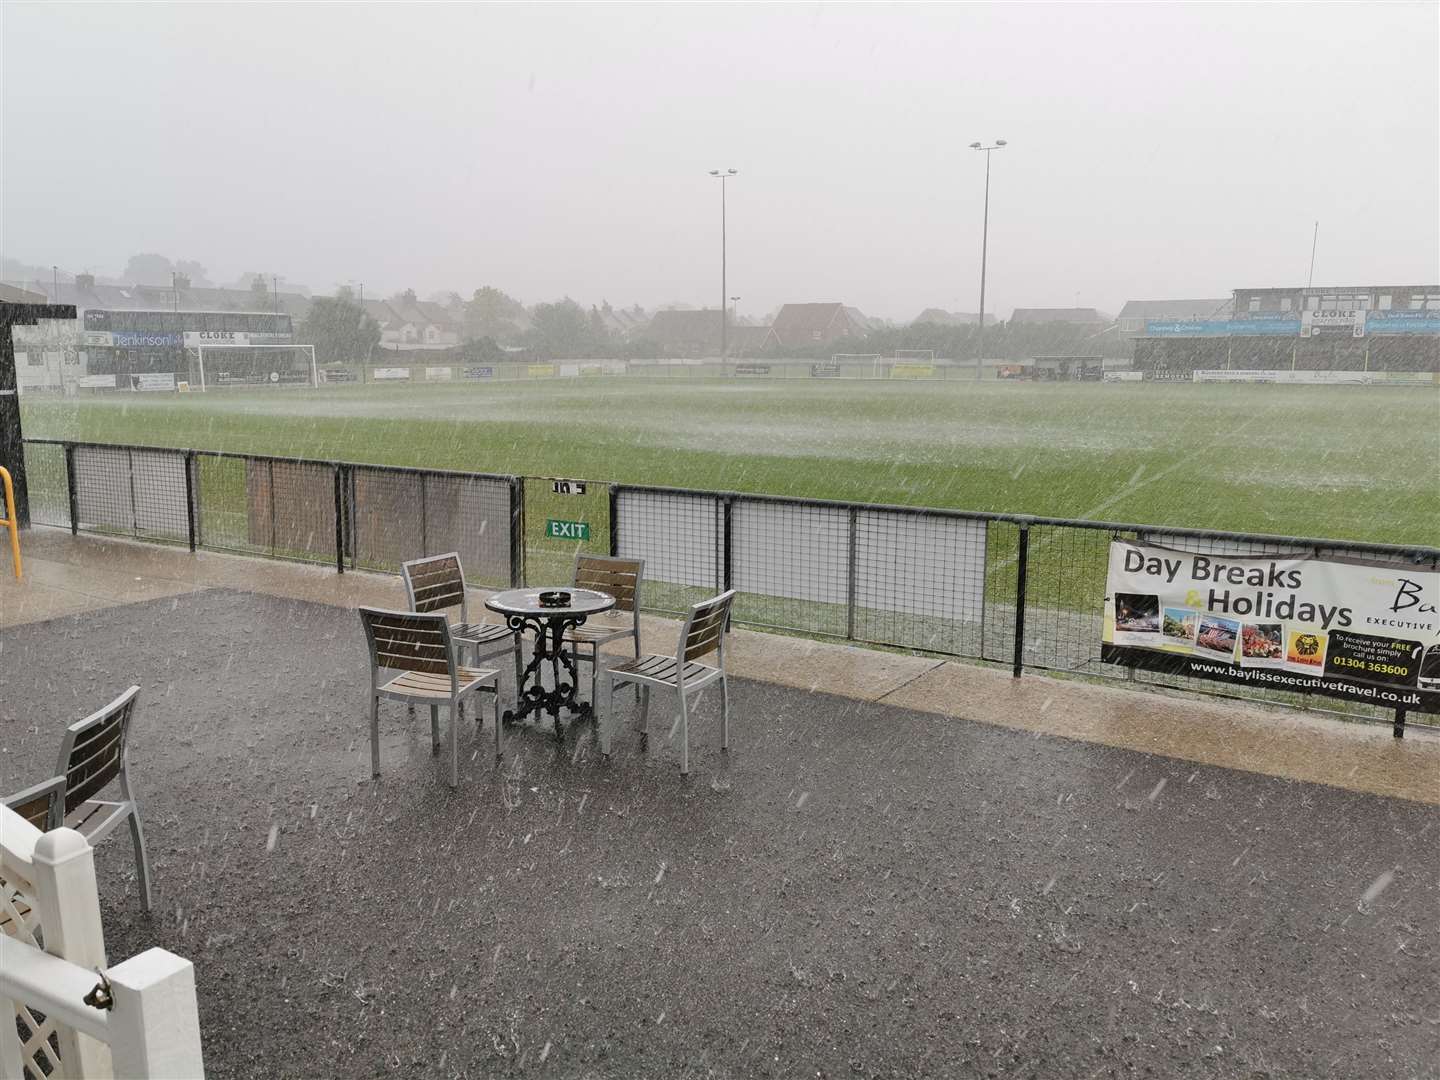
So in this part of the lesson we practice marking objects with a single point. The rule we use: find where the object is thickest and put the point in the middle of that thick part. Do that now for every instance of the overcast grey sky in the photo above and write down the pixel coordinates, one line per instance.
(1156, 150)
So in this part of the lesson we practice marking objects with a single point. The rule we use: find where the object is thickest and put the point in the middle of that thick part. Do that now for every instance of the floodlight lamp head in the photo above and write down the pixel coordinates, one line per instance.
(999, 142)
(974, 146)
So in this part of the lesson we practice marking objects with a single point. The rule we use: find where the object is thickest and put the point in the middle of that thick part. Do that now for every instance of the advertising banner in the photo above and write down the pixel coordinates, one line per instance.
(164, 380)
(1347, 322)
(1354, 629)
(1314, 378)
(1402, 322)
(97, 337)
(913, 371)
(1256, 325)
(439, 374)
(484, 372)
(540, 371)
(143, 339)
(752, 369)
(390, 373)
(1187, 327)
(1265, 324)
(96, 382)
(1122, 376)
(195, 338)
(829, 370)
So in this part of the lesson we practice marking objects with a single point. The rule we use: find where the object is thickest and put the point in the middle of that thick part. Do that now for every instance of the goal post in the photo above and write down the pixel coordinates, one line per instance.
(257, 365)
(923, 356)
(873, 359)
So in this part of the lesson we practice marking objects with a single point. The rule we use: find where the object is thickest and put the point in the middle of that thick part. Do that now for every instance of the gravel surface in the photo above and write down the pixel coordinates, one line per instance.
(860, 891)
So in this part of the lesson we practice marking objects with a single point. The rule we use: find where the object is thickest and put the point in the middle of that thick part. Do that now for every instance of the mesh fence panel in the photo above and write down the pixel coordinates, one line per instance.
(387, 524)
(224, 518)
(920, 581)
(398, 515)
(49, 490)
(1065, 598)
(138, 493)
(679, 537)
(1002, 546)
(471, 515)
(790, 565)
(550, 560)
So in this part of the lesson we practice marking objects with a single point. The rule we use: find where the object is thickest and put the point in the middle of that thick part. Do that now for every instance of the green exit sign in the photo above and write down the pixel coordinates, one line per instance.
(556, 529)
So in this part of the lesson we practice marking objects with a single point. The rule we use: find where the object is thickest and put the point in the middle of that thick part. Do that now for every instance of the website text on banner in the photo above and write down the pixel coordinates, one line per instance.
(1354, 629)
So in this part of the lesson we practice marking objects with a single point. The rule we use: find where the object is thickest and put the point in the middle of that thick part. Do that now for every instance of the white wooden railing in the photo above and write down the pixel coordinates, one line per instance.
(141, 1019)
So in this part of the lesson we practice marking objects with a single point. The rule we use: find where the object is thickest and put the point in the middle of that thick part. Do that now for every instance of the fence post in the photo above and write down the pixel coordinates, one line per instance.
(190, 515)
(70, 488)
(727, 575)
(850, 584)
(517, 532)
(339, 518)
(155, 1018)
(1021, 568)
(614, 521)
(68, 902)
(1399, 729)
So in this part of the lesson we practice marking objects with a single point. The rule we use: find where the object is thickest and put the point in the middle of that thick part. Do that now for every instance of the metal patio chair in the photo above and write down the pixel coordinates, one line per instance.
(421, 648)
(704, 633)
(92, 755)
(620, 578)
(437, 583)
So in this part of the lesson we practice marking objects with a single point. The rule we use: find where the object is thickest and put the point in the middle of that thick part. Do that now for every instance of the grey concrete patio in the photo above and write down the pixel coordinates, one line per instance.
(861, 890)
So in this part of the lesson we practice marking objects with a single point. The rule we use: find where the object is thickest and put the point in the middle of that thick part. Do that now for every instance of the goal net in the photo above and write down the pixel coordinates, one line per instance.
(218, 367)
(922, 356)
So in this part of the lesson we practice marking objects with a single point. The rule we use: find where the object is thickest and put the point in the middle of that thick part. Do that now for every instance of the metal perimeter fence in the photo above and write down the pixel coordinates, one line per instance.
(1014, 590)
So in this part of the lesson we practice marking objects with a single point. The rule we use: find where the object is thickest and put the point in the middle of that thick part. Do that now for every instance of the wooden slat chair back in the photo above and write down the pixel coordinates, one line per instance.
(406, 641)
(93, 755)
(706, 627)
(703, 633)
(621, 578)
(437, 584)
(421, 648)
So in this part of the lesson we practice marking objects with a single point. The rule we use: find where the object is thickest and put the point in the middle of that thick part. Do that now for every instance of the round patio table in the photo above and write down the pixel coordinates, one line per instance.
(523, 612)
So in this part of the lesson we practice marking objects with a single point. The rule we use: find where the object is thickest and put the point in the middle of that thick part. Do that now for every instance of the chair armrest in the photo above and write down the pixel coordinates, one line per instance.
(52, 791)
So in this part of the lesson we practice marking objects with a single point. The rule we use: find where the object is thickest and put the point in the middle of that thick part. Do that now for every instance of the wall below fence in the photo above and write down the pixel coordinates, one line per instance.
(1015, 590)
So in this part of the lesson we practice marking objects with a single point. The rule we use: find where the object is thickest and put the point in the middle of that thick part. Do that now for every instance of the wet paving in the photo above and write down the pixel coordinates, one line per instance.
(859, 891)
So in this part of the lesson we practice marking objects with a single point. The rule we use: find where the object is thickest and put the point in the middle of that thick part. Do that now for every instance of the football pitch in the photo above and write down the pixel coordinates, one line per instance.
(1327, 462)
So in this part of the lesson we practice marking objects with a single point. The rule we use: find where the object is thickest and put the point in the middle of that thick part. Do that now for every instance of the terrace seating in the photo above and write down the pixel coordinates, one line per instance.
(421, 648)
(620, 578)
(704, 633)
(92, 755)
(437, 583)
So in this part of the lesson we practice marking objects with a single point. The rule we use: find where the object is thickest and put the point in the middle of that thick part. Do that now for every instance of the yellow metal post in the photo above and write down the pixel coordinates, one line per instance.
(9, 520)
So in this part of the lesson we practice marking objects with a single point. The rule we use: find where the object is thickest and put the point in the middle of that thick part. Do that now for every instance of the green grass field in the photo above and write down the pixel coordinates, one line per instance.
(1338, 462)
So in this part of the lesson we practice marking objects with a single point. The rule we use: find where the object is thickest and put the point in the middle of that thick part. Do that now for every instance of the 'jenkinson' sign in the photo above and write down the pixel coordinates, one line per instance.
(1360, 630)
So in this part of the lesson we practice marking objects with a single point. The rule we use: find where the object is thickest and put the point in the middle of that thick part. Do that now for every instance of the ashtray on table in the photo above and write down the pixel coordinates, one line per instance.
(555, 598)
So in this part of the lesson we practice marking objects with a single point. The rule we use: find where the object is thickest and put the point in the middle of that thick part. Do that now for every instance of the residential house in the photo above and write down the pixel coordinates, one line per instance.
(799, 325)
(686, 333)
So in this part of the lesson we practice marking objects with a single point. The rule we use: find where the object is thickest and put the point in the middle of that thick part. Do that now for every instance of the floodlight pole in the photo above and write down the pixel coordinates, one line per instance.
(723, 174)
(984, 251)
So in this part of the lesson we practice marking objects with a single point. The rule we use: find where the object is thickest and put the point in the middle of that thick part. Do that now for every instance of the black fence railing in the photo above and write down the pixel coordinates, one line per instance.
(1012, 590)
